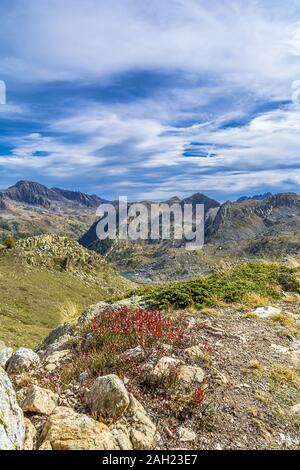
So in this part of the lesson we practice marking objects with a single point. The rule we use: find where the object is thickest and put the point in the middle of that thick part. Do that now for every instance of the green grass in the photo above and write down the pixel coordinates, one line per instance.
(233, 285)
(36, 298)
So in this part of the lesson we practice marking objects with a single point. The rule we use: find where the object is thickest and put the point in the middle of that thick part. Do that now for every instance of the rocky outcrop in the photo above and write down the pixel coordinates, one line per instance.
(23, 359)
(39, 400)
(143, 432)
(96, 310)
(12, 427)
(108, 397)
(67, 430)
(57, 337)
(185, 375)
(5, 354)
(30, 435)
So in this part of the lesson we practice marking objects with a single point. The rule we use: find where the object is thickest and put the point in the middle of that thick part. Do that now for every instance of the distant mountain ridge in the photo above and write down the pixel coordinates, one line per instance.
(252, 218)
(84, 199)
(36, 194)
(267, 227)
(257, 197)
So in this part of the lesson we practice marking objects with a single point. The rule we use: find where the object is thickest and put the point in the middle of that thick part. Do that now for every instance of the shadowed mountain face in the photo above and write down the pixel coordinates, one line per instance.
(90, 239)
(36, 194)
(29, 208)
(251, 219)
(268, 227)
(86, 200)
(32, 193)
(235, 221)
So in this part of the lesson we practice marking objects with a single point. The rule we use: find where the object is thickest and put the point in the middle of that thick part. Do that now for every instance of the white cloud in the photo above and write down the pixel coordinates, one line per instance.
(250, 42)
(231, 58)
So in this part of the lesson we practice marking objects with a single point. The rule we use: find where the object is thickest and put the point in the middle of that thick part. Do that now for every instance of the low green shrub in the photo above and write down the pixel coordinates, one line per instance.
(229, 286)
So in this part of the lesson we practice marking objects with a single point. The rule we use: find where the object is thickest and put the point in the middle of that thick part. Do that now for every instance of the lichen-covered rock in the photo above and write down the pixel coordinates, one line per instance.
(22, 360)
(189, 375)
(295, 410)
(96, 310)
(67, 430)
(5, 354)
(122, 437)
(57, 357)
(93, 311)
(108, 397)
(165, 365)
(12, 428)
(83, 377)
(266, 312)
(143, 432)
(88, 342)
(61, 334)
(295, 352)
(30, 435)
(134, 353)
(169, 366)
(39, 400)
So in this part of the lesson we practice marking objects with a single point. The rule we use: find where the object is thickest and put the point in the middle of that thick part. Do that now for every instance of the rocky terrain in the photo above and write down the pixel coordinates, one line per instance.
(29, 208)
(220, 373)
(263, 226)
(252, 228)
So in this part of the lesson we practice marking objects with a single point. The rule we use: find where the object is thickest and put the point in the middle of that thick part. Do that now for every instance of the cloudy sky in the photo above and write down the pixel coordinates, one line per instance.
(151, 98)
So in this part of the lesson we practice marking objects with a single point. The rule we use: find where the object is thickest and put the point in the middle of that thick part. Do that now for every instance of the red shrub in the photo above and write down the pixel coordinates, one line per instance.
(136, 327)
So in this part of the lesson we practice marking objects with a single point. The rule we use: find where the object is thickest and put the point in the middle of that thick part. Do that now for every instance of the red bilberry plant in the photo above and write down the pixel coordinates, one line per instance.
(131, 327)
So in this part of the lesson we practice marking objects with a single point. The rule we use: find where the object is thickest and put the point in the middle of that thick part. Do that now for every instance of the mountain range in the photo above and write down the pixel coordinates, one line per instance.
(258, 226)
(36, 194)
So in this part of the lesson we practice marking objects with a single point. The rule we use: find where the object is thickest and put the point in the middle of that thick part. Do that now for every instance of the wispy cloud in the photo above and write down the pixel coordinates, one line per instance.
(136, 95)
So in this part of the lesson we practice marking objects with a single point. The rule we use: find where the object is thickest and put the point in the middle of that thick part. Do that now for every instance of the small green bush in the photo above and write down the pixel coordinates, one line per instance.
(229, 286)
(10, 242)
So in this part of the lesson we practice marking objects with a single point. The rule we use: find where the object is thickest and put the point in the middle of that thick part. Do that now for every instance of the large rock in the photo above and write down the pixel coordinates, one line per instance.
(137, 353)
(5, 354)
(67, 430)
(12, 428)
(143, 432)
(39, 400)
(23, 359)
(184, 375)
(108, 397)
(295, 410)
(30, 435)
(57, 337)
(96, 310)
(188, 375)
(166, 365)
(93, 311)
(58, 357)
(266, 312)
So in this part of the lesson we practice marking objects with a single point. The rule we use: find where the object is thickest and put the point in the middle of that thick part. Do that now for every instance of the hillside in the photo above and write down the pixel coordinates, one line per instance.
(46, 280)
(215, 368)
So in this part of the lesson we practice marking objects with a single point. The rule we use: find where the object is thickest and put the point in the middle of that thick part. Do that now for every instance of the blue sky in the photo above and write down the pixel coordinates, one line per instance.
(151, 99)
